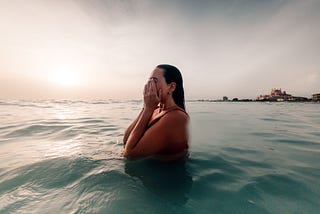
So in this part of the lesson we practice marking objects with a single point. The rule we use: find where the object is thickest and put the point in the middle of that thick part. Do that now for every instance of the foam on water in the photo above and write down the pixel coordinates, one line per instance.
(65, 157)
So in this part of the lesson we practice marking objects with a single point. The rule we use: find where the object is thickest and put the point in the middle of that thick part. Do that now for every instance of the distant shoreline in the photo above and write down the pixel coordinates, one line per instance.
(249, 100)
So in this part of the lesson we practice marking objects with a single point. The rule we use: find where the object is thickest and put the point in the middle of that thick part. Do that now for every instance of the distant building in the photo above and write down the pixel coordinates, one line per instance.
(275, 95)
(299, 99)
(316, 97)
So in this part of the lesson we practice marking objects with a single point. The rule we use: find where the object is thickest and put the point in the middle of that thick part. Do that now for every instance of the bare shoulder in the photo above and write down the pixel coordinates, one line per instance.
(175, 125)
(174, 117)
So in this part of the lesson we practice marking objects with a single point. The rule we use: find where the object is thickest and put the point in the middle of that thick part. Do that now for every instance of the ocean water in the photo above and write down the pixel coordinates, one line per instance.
(65, 157)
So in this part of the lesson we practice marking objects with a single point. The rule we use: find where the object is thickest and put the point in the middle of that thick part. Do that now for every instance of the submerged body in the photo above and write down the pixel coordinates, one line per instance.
(160, 131)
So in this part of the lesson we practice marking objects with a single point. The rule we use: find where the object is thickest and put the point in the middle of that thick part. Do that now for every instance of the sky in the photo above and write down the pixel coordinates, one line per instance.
(106, 49)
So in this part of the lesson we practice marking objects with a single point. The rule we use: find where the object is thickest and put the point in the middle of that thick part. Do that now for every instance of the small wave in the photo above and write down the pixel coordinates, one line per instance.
(96, 130)
(315, 133)
(240, 150)
(26, 104)
(93, 121)
(242, 161)
(216, 162)
(101, 102)
(279, 185)
(52, 173)
(59, 129)
(296, 142)
(36, 130)
(263, 134)
(270, 191)
(8, 127)
(275, 120)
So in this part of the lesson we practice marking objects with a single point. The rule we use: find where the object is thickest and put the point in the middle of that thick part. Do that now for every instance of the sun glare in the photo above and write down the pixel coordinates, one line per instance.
(65, 77)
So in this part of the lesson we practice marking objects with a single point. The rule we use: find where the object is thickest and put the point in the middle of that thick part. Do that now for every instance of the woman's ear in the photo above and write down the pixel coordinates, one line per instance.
(173, 86)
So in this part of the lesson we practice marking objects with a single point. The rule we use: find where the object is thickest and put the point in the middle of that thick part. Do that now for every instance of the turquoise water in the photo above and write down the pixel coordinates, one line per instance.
(65, 157)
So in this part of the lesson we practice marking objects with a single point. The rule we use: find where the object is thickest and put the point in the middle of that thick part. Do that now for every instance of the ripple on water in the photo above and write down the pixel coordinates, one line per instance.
(297, 142)
(315, 134)
(216, 182)
(278, 185)
(270, 189)
(42, 177)
(275, 119)
(240, 150)
(36, 130)
(59, 129)
(217, 172)
(52, 173)
(264, 134)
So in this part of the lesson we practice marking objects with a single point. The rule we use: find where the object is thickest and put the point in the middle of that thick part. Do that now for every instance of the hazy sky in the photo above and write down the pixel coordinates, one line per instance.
(103, 49)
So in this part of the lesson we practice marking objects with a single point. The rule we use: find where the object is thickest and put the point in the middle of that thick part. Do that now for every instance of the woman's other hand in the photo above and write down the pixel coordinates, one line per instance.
(150, 95)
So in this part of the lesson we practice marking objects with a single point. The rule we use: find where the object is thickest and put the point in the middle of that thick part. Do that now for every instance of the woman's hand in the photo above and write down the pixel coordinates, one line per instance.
(150, 95)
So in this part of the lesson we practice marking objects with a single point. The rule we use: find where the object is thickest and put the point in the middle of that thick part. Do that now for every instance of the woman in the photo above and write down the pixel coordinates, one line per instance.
(160, 130)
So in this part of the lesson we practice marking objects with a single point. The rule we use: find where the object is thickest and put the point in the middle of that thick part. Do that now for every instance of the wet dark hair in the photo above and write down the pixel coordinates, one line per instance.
(172, 74)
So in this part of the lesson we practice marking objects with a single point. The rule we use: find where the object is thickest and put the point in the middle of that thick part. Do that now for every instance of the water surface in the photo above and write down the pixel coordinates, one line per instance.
(65, 156)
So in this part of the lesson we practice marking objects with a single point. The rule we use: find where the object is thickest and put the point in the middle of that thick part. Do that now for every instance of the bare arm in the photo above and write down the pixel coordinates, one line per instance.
(129, 129)
(151, 100)
(138, 129)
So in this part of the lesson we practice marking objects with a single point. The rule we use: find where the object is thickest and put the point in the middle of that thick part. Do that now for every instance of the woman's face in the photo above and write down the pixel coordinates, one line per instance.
(158, 78)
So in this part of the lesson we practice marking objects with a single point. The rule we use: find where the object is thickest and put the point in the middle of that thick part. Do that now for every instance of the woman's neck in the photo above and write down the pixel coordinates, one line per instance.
(169, 103)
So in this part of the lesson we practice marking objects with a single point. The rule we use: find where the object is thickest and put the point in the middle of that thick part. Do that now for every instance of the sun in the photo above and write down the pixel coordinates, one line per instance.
(65, 77)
